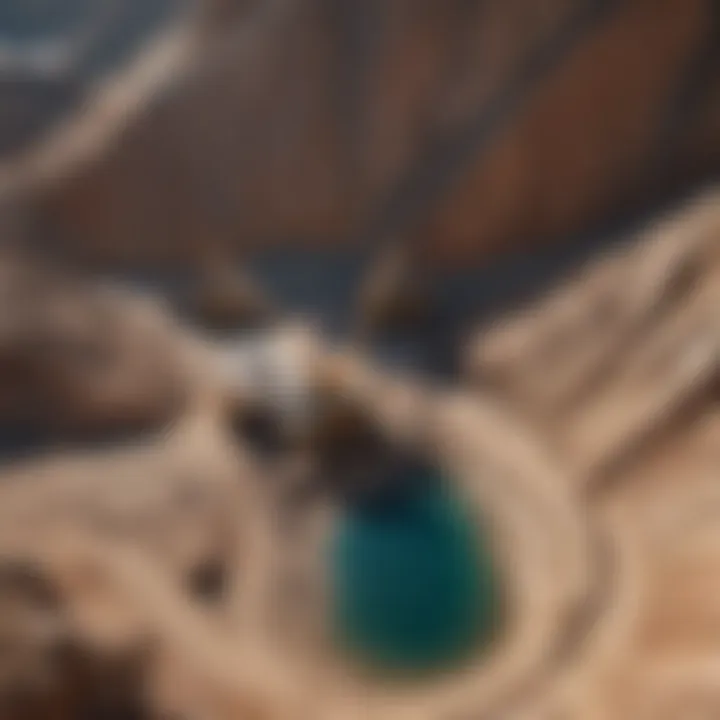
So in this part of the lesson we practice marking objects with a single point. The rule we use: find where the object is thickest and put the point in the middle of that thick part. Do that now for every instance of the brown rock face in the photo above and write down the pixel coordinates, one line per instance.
(306, 122)
(80, 356)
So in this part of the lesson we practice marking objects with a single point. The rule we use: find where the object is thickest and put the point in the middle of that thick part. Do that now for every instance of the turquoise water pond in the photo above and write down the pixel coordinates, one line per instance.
(414, 585)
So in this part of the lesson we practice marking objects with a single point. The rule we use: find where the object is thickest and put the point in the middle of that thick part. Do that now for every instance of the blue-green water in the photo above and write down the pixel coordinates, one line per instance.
(414, 584)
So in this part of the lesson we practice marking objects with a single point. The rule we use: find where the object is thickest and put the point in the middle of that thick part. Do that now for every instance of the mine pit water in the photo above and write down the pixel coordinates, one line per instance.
(413, 584)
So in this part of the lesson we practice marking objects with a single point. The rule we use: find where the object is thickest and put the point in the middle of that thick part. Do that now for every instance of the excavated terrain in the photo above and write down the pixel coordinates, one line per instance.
(175, 574)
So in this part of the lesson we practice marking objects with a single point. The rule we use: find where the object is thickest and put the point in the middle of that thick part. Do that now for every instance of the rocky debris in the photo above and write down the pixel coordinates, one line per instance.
(138, 558)
(81, 356)
(638, 330)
